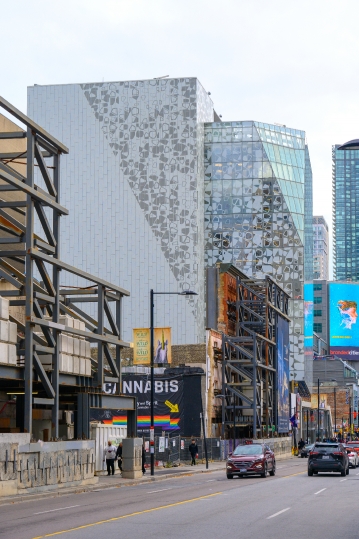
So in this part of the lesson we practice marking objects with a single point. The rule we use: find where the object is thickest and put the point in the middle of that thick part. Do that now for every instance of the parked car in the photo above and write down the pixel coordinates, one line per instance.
(353, 456)
(328, 457)
(251, 459)
(305, 451)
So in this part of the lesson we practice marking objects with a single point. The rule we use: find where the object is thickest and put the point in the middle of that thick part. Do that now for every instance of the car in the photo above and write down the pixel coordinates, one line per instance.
(354, 445)
(305, 451)
(328, 457)
(251, 459)
(353, 456)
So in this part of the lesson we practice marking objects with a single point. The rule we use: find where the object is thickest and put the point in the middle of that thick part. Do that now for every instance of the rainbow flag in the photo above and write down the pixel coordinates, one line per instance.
(165, 422)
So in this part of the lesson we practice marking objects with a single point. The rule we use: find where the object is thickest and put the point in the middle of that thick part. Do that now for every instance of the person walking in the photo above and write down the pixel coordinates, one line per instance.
(301, 444)
(119, 455)
(110, 455)
(193, 449)
(143, 459)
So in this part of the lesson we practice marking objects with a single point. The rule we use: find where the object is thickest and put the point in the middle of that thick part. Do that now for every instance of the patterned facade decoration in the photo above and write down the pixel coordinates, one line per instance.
(146, 141)
(254, 210)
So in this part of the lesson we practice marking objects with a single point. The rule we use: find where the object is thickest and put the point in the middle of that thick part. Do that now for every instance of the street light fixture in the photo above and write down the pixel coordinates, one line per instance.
(152, 426)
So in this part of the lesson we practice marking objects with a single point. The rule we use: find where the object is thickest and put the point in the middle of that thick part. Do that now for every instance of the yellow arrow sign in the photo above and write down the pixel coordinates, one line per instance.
(172, 407)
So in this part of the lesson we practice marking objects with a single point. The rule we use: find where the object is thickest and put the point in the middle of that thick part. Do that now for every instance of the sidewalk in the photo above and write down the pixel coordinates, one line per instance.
(116, 481)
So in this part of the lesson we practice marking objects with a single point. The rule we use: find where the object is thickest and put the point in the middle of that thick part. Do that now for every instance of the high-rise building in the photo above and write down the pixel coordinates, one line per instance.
(134, 186)
(346, 211)
(320, 248)
(258, 209)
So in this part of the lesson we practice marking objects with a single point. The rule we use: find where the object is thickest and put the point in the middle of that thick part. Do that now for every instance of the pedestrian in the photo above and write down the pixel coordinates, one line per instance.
(193, 449)
(143, 459)
(119, 455)
(110, 455)
(301, 444)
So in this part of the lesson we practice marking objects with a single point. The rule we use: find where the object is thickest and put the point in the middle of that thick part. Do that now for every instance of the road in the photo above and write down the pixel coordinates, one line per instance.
(202, 506)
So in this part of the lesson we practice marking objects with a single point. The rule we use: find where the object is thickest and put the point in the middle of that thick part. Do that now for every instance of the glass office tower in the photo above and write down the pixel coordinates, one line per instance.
(346, 211)
(257, 203)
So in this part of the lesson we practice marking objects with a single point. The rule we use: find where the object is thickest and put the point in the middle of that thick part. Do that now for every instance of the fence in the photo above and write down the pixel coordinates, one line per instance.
(175, 448)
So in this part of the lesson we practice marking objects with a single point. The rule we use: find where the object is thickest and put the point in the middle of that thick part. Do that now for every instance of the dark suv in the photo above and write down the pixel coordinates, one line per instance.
(328, 457)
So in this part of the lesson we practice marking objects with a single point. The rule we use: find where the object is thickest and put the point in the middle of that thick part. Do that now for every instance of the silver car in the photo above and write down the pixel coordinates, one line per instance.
(353, 457)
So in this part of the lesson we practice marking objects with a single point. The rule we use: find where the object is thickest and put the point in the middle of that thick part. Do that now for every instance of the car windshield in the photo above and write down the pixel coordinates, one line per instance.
(243, 450)
(309, 446)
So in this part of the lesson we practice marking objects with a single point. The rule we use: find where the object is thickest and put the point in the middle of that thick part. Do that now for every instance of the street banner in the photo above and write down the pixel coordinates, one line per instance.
(284, 413)
(162, 352)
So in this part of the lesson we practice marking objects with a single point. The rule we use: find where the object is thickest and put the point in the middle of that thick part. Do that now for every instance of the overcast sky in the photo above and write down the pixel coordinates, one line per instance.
(267, 60)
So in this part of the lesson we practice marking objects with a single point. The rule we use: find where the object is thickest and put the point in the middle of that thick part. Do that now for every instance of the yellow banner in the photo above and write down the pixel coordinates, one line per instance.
(141, 346)
(162, 352)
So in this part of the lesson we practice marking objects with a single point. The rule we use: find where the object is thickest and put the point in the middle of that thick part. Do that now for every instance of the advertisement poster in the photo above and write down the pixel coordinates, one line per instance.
(161, 444)
(308, 317)
(343, 320)
(162, 352)
(283, 374)
(168, 402)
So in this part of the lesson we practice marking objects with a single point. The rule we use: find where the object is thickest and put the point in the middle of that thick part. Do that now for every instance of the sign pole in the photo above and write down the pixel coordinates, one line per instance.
(152, 427)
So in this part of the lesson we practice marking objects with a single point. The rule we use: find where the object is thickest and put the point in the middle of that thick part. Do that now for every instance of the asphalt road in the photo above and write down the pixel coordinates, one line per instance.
(202, 506)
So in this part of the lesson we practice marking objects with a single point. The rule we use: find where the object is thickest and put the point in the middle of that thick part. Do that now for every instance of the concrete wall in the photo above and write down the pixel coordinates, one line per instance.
(32, 467)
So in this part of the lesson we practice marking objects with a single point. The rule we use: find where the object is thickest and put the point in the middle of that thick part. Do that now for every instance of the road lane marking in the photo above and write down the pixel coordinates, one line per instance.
(209, 480)
(341, 481)
(59, 509)
(357, 474)
(114, 519)
(160, 490)
(279, 513)
(319, 491)
(291, 475)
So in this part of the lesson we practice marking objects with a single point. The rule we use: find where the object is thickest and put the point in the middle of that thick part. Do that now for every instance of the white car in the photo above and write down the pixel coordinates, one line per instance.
(353, 457)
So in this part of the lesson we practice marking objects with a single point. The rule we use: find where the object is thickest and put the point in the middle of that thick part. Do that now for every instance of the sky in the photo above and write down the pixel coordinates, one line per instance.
(275, 61)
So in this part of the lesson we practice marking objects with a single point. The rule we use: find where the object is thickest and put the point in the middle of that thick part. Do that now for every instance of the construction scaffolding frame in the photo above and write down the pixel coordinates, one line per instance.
(26, 206)
(249, 360)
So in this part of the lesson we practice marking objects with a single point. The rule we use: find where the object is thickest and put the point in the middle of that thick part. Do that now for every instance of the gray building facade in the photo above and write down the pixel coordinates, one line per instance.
(134, 185)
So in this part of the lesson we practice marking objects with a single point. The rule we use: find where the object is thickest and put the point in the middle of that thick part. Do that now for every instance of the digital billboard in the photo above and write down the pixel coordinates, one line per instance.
(283, 374)
(308, 315)
(343, 320)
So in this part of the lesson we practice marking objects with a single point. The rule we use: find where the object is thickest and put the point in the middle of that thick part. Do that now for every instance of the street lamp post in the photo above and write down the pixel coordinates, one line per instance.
(152, 343)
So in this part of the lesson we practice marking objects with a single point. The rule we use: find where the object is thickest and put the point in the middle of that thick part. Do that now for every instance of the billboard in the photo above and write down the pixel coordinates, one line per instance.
(308, 315)
(343, 320)
(162, 352)
(283, 374)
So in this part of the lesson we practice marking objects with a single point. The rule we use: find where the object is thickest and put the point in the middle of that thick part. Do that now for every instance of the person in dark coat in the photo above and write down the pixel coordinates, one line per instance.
(301, 444)
(143, 459)
(193, 449)
(119, 456)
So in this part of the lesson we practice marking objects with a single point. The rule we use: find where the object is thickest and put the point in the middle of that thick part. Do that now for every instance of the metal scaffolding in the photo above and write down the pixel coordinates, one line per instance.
(249, 360)
(26, 206)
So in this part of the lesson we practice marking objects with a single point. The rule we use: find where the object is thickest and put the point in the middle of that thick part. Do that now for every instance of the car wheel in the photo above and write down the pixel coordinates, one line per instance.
(302, 456)
(264, 474)
(310, 472)
(229, 476)
(343, 473)
(272, 472)
(347, 472)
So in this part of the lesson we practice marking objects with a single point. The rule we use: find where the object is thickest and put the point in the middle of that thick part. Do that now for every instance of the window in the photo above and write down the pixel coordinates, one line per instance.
(318, 328)
(317, 287)
(317, 300)
(318, 312)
